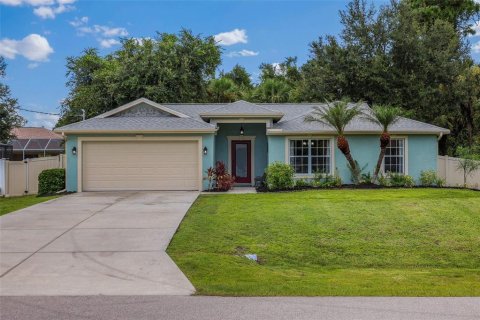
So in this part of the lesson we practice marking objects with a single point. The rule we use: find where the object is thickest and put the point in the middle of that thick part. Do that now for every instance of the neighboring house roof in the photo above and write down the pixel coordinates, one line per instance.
(143, 115)
(35, 133)
(36, 139)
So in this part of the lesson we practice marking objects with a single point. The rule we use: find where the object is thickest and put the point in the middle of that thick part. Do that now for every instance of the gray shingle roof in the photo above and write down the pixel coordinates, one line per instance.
(242, 108)
(138, 124)
(291, 120)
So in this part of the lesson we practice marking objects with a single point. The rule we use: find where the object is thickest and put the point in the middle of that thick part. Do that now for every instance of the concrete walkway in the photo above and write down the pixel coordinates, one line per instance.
(213, 308)
(94, 243)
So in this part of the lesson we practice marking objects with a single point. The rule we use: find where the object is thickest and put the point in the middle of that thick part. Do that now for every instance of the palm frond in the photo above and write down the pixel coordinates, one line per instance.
(384, 115)
(336, 114)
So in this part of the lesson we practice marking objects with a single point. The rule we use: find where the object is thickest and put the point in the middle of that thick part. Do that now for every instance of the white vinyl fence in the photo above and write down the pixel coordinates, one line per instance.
(21, 177)
(447, 168)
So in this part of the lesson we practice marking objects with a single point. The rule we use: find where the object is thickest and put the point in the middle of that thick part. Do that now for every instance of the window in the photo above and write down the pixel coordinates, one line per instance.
(308, 156)
(395, 157)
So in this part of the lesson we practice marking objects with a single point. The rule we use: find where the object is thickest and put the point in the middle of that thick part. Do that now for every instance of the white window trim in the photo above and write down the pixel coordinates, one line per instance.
(252, 154)
(332, 153)
(405, 154)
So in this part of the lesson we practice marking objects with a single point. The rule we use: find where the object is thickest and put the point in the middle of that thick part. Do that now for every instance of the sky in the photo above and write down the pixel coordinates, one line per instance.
(36, 36)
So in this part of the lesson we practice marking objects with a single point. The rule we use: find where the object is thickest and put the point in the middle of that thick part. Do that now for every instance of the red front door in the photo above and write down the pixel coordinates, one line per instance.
(241, 161)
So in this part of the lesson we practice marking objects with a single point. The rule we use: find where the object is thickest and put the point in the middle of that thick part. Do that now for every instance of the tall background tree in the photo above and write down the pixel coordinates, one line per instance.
(412, 54)
(9, 118)
(169, 68)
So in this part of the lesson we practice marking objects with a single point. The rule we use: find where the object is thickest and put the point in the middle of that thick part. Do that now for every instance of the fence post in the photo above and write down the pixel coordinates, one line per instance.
(26, 162)
(3, 177)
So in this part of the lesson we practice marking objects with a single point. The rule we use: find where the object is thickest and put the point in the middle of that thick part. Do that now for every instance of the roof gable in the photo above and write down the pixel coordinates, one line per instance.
(142, 108)
(242, 108)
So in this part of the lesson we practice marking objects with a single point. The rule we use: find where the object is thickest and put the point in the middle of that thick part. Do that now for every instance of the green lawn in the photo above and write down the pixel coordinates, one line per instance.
(416, 242)
(16, 203)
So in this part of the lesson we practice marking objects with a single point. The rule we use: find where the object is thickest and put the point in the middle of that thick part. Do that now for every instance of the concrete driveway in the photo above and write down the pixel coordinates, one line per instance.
(94, 244)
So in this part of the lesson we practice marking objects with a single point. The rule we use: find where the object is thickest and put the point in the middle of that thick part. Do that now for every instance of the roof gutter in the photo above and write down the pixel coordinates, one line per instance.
(286, 133)
(67, 132)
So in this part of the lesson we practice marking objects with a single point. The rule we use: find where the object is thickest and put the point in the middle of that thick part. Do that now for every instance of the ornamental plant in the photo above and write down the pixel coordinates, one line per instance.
(218, 178)
(280, 176)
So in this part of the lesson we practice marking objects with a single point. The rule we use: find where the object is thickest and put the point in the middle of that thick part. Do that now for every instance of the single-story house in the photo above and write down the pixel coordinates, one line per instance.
(35, 142)
(144, 145)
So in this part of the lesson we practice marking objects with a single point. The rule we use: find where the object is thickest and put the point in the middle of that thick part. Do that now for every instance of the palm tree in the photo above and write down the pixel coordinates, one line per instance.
(337, 115)
(384, 116)
(273, 90)
(222, 90)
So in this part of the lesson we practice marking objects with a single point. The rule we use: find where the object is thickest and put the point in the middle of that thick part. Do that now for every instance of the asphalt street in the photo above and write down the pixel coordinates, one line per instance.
(196, 307)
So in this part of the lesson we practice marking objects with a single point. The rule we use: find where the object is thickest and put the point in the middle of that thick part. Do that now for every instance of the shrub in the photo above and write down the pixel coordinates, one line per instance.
(430, 178)
(279, 176)
(302, 183)
(397, 180)
(322, 180)
(366, 178)
(218, 178)
(51, 181)
(383, 180)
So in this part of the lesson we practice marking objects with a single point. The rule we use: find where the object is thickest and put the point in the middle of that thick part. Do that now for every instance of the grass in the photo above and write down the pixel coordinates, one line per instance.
(16, 203)
(394, 242)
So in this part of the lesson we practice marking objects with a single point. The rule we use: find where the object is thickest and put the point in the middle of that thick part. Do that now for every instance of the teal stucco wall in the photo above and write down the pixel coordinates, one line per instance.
(276, 148)
(422, 154)
(72, 160)
(258, 130)
(422, 151)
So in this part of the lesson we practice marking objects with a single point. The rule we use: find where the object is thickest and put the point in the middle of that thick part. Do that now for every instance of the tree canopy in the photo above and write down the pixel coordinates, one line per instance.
(411, 54)
(9, 118)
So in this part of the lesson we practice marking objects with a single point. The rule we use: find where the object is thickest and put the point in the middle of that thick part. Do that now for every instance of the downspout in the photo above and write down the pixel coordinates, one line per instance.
(440, 136)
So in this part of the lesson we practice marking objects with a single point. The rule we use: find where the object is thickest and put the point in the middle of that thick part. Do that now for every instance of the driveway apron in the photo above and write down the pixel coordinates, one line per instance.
(101, 243)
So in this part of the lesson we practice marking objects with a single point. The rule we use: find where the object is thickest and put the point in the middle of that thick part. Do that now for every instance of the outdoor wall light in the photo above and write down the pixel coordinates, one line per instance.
(205, 150)
(74, 150)
(241, 130)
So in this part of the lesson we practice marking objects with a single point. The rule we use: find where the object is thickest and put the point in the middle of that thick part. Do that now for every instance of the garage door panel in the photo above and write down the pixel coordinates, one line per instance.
(140, 165)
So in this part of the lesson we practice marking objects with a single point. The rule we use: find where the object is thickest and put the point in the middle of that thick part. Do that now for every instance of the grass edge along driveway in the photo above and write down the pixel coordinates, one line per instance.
(395, 242)
(10, 204)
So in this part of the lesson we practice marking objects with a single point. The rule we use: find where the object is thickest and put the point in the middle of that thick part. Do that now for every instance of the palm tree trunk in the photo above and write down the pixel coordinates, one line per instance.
(350, 160)
(344, 147)
(383, 150)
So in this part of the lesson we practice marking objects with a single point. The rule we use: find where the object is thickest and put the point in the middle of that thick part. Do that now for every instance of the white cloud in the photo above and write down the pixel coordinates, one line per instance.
(50, 12)
(107, 43)
(34, 3)
(243, 53)
(104, 31)
(33, 65)
(140, 41)
(232, 37)
(44, 120)
(45, 9)
(278, 69)
(105, 35)
(34, 47)
(476, 47)
(78, 22)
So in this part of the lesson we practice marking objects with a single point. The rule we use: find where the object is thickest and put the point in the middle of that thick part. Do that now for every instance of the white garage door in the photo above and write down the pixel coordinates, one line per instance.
(140, 165)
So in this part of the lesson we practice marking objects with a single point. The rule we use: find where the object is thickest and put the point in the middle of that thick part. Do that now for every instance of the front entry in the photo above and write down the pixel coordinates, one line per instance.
(242, 161)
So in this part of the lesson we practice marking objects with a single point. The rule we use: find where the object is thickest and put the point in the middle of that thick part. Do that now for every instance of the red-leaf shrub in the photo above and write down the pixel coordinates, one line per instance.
(218, 178)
